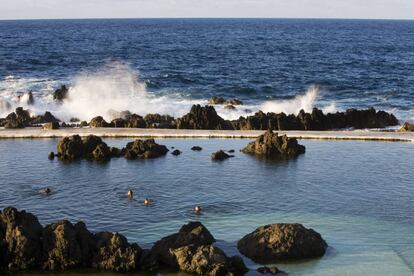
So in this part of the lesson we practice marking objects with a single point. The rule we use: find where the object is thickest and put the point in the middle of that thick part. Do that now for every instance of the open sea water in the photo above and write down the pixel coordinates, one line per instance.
(166, 65)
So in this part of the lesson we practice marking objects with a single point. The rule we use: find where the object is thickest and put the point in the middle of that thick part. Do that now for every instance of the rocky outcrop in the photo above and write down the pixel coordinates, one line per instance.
(21, 239)
(18, 119)
(61, 93)
(270, 145)
(317, 120)
(144, 149)
(61, 246)
(159, 121)
(191, 250)
(275, 242)
(176, 152)
(74, 147)
(196, 148)
(113, 252)
(220, 155)
(92, 147)
(61, 249)
(135, 121)
(98, 122)
(207, 260)
(202, 118)
(407, 127)
(43, 119)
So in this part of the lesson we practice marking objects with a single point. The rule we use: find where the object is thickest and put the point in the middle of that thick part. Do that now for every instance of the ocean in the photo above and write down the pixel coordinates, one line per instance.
(166, 65)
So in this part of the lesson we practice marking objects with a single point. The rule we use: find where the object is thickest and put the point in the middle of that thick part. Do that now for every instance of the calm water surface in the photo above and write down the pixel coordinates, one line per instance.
(358, 195)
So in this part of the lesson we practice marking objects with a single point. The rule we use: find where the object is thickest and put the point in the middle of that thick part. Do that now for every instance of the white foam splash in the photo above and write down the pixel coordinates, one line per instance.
(293, 106)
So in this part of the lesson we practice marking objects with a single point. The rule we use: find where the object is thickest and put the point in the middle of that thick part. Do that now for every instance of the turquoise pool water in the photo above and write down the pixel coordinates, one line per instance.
(358, 195)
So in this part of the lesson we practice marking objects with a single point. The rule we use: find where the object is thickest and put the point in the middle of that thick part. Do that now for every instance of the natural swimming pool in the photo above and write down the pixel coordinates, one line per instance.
(358, 195)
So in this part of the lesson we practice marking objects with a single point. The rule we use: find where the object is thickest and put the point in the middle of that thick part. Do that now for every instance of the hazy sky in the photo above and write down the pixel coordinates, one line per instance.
(387, 9)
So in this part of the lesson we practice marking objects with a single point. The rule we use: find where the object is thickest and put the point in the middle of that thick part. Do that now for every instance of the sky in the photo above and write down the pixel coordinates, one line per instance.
(46, 9)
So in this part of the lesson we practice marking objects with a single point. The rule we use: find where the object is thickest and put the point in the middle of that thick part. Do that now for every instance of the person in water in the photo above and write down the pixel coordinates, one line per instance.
(197, 209)
(45, 191)
(130, 194)
(147, 201)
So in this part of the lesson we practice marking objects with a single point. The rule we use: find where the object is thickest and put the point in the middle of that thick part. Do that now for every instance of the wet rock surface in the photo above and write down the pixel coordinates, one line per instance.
(282, 241)
(61, 93)
(271, 145)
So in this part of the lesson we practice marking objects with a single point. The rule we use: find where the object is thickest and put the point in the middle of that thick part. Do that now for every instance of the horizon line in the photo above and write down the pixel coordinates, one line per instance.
(229, 18)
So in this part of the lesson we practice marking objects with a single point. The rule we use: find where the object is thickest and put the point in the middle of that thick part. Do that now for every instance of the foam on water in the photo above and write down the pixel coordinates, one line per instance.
(116, 86)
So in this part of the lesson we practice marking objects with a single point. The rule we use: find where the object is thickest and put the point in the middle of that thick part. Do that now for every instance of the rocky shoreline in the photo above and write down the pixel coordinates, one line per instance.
(206, 117)
(26, 245)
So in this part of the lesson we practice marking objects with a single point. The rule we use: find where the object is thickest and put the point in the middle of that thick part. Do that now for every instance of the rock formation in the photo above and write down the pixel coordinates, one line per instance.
(220, 155)
(270, 145)
(275, 242)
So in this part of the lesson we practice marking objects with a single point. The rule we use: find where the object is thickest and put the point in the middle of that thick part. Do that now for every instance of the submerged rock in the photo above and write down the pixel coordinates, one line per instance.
(275, 242)
(216, 100)
(202, 118)
(176, 152)
(271, 145)
(407, 127)
(270, 270)
(144, 149)
(197, 148)
(220, 155)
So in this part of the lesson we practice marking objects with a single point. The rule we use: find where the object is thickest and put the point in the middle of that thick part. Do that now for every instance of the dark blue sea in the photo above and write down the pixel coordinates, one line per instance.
(166, 65)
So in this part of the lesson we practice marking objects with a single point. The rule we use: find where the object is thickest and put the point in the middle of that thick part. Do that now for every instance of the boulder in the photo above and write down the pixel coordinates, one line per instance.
(220, 155)
(135, 121)
(193, 233)
(22, 239)
(202, 118)
(197, 148)
(74, 147)
(113, 252)
(275, 242)
(51, 125)
(270, 145)
(101, 152)
(144, 149)
(407, 127)
(207, 260)
(46, 118)
(61, 93)
(18, 119)
(159, 121)
(118, 123)
(98, 122)
(61, 250)
(70, 148)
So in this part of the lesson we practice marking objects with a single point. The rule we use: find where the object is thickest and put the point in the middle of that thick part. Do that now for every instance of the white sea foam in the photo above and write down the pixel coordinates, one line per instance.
(292, 106)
